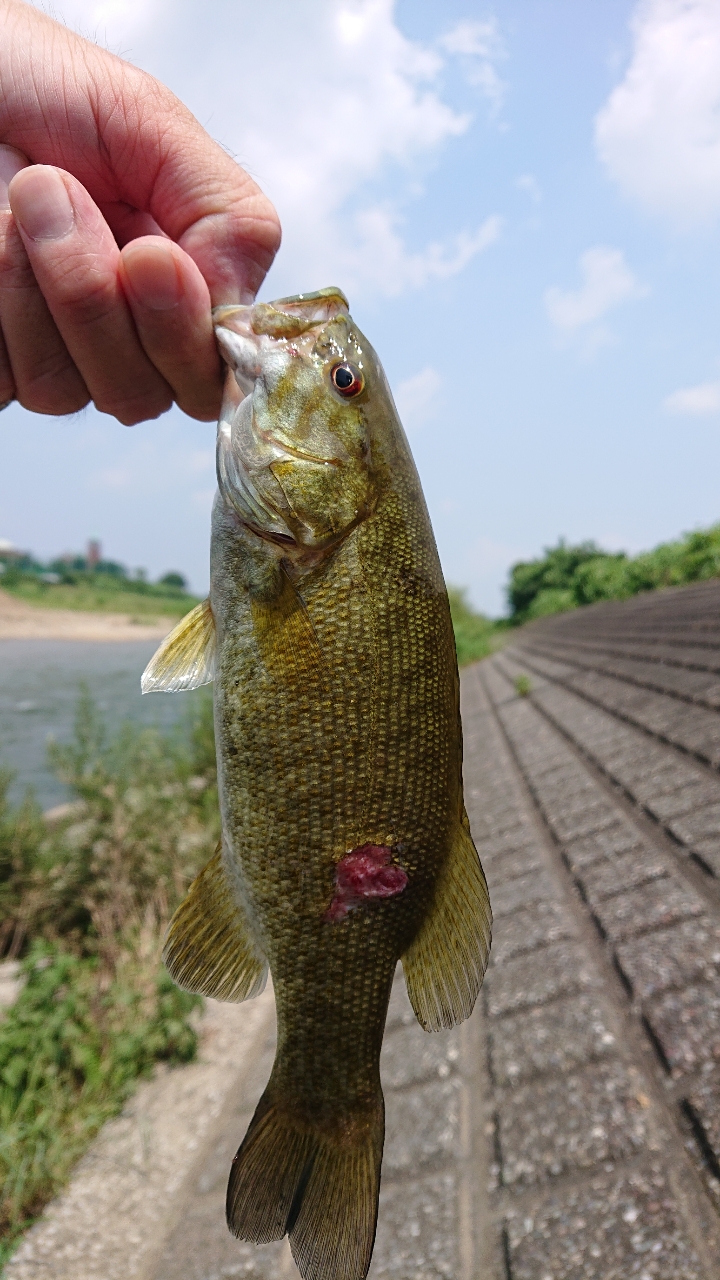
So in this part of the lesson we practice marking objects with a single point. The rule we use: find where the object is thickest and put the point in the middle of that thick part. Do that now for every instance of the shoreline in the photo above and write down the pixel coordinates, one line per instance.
(21, 621)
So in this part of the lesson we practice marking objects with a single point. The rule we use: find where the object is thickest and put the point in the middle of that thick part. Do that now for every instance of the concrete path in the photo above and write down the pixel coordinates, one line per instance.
(571, 1129)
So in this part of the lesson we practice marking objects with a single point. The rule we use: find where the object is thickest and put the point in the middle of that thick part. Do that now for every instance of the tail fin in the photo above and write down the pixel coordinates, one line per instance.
(317, 1185)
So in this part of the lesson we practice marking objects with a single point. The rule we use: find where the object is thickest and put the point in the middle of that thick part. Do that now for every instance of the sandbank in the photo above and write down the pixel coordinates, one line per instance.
(21, 621)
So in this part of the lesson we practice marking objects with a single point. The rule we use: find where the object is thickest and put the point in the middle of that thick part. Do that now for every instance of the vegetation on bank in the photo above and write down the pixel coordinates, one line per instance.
(93, 585)
(475, 635)
(84, 902)
(98, 594)
(566, 577)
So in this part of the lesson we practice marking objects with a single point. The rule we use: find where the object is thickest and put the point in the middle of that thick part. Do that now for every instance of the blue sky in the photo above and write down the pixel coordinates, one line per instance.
(522, 202)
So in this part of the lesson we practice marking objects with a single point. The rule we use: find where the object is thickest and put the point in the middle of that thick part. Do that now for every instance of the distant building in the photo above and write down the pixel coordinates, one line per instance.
(94, 554)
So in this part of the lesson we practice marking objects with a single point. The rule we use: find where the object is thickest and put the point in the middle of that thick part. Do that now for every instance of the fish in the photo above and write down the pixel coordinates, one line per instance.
(346, 847)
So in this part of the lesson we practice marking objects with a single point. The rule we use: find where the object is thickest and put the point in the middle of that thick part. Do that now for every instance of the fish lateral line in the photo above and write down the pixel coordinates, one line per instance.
(363, 875)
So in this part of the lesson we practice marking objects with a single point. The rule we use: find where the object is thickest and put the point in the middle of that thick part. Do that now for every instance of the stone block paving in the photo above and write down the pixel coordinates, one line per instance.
(604, 1039)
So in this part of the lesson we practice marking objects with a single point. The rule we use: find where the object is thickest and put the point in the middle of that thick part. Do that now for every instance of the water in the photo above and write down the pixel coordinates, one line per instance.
(39, 685)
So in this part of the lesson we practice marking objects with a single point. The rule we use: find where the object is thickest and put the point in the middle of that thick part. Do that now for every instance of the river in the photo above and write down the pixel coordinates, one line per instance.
(40, 681)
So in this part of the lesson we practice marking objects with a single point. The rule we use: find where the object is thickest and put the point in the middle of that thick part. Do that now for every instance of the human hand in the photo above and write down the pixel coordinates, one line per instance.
(121, 223)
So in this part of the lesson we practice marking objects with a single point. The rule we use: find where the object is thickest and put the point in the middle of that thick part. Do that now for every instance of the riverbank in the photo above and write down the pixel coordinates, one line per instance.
(21, 621)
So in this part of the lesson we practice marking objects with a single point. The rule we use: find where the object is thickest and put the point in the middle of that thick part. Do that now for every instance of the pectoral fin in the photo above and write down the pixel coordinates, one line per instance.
(285, 635)
(446, 962)
(209, 946)
(186, 659)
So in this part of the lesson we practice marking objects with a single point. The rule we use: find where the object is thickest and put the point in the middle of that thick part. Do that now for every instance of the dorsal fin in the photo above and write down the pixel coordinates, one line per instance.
(186, 658)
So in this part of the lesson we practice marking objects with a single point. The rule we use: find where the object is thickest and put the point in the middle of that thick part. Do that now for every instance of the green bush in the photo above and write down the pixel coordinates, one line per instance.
(553, 572)
(566, 577)
(551, 600)
(85, 900)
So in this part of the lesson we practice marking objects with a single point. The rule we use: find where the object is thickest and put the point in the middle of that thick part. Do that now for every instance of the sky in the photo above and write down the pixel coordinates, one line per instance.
(522, 202)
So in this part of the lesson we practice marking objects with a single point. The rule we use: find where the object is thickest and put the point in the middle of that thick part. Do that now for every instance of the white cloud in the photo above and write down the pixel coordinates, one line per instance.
(526, 182)
(607, 281)
(326, 104)
(416, 397)
(698, 401)
(659, 132)
(480, 44)
(385, 262)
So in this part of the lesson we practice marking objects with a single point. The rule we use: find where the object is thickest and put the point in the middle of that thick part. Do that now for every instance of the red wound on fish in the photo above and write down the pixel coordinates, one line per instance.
(364, 874)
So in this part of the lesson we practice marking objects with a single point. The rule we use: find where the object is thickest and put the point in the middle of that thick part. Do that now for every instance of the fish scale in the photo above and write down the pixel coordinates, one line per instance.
(345, 842)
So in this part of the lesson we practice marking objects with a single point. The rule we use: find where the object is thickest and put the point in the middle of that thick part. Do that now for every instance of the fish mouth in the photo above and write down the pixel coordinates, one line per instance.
(286, 317)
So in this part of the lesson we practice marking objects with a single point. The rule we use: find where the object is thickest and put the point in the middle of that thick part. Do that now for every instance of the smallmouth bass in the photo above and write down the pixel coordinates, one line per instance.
(345, 846)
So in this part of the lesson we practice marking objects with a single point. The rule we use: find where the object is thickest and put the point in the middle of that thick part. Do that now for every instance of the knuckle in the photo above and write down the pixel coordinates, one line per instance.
(85, 296)
(52, 386)
(17, 279)
(7, 389)
(55, 402)
(130, 412)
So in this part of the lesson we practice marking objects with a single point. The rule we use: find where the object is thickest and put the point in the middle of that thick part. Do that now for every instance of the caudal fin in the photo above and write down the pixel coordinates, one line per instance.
(318, 1186)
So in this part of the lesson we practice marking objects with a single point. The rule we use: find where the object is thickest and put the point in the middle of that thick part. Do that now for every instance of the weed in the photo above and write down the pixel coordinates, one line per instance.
(86, 901)
(475, 635)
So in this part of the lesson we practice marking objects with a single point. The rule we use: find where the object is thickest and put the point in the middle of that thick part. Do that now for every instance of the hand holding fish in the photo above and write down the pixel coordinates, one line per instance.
(121, 224)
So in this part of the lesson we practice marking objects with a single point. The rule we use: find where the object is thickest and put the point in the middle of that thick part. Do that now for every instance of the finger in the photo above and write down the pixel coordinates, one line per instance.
(35, 366)
(11, 161)
(7, 382)
(128, 224)
(170, 303)
(129, 139)
(75, 261)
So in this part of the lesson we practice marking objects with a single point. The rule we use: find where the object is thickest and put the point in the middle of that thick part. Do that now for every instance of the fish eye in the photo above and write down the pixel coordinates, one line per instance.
(347, 380)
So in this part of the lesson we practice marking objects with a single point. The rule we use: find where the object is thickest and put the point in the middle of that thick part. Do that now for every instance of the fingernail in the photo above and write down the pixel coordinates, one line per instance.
(153, 275)
(41, 204)
(11, 162)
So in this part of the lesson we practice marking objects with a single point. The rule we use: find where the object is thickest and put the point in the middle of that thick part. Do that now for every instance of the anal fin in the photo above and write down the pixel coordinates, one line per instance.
(445, 964)
(209, 946)
(186, 658)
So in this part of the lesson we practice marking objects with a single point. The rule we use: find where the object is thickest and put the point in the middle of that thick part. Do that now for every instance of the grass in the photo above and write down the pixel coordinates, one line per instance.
(84, 902)
(71, 1050)
(475, 635)
(103, 595)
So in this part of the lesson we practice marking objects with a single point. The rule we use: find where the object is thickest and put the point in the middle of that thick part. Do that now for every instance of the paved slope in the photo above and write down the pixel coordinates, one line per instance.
(596, 805)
